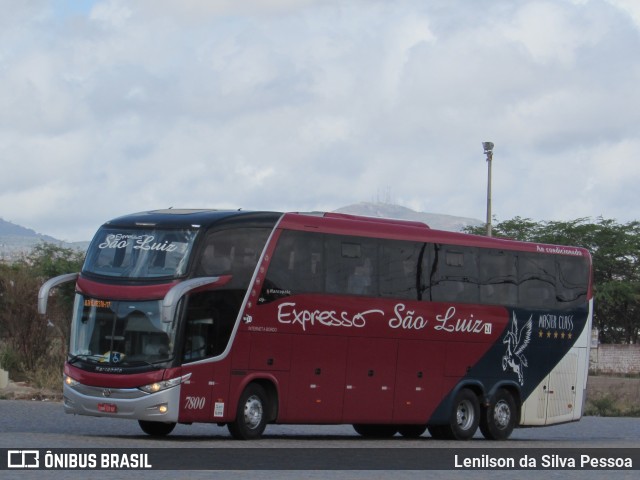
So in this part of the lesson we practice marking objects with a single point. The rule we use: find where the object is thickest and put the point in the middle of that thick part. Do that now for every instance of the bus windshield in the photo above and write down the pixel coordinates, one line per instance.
(140, 254)
(120, 332)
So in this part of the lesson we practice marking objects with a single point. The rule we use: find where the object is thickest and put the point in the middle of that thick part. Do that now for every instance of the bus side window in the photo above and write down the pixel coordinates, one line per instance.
(399, 269)
(497, 270)
(536, 280)
(198, 327)
(234, 252)
(571, 286)
(455, 275)
(209, 323)
(359, 282)
(352, 266)
(296, 266)
(214, 261)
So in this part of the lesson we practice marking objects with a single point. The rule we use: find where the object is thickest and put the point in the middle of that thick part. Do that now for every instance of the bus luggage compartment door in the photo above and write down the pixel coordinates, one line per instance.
(370, 381)
(418, 381)
(316, 392)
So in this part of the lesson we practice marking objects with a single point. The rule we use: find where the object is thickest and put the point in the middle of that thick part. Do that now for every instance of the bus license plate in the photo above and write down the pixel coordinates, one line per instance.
(108, 408)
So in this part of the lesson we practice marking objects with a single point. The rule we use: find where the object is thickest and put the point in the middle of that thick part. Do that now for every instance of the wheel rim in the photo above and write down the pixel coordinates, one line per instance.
(465, 415)
(502, 414)
(253, 412)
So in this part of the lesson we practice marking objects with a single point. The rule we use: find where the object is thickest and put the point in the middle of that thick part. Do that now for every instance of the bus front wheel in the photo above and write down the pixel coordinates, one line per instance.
(499, 418)
(251, 418)
(156, 429)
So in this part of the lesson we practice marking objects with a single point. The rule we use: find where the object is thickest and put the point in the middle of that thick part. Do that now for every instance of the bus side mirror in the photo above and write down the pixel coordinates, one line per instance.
(43, 293)
(173, 296)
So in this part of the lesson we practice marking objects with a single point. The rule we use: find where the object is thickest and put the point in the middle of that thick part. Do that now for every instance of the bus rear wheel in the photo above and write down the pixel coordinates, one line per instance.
(156, 429)
(464, 419)
(251, 418)
(499, 418)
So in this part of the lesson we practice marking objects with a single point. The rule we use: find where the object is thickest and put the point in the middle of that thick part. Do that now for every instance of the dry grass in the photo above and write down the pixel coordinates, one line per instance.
(610, 396)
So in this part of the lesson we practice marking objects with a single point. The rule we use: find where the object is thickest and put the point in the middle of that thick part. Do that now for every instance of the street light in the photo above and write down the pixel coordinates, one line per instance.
(488, 151)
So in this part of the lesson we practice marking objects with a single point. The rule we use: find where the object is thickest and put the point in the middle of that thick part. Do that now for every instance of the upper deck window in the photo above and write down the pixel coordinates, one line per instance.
(140, 254)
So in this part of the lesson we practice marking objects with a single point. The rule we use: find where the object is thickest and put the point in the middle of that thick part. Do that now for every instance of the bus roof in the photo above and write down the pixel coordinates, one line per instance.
(329, 222)
(414, 231)
(189, 218)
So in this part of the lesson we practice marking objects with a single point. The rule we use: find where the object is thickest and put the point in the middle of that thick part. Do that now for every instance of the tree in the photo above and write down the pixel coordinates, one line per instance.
(21, 327)
(29, 336)
(47, 261)
(615, 249)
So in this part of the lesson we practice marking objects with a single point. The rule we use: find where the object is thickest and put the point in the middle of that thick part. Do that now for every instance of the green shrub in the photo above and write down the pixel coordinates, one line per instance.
(605, 405)
(9, 360)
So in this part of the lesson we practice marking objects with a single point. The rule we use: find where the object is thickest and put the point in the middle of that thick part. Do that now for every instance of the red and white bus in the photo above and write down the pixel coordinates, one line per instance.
(249, 318)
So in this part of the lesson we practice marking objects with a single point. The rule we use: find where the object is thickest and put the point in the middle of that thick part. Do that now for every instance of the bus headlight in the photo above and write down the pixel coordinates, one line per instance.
(70, 382)
(161, 408)
(164, 384)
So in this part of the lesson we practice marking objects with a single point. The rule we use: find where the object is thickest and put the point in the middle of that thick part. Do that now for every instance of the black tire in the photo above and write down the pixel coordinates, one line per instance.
(465, 416)
(251, 417)
(499, 419)
(156, 429)
(412, 431)
(376, 431)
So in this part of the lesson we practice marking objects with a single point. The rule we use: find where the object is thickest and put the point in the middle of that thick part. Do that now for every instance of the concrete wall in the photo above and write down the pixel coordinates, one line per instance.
(619, 359)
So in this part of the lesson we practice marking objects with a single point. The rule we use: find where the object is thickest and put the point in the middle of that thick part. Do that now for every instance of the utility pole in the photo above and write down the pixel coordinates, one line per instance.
(488, 151)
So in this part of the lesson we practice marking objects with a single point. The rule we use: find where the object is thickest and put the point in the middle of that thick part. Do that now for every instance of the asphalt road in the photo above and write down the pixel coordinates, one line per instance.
(43, 425)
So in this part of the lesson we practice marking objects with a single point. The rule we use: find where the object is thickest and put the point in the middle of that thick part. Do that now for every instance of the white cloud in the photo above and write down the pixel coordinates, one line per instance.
(551, 31)
(295, 105)
(202, 10)
(111, 14)
(630, 7)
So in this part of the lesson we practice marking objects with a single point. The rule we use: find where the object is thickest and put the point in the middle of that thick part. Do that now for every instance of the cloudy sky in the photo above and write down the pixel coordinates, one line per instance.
(111, 106)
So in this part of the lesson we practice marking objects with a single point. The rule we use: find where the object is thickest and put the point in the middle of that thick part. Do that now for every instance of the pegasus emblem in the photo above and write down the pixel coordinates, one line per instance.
(516, 342)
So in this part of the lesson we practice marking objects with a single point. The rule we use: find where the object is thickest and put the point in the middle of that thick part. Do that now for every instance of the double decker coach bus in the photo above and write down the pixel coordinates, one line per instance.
(249, 318)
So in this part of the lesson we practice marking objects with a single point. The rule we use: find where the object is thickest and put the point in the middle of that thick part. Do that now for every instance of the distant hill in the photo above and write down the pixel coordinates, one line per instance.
(8, 229)
(16, 241)
(434, 220)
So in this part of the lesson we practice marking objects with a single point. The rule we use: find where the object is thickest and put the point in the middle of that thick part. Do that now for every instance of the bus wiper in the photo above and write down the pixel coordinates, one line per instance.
(75, 358)
(132, 363)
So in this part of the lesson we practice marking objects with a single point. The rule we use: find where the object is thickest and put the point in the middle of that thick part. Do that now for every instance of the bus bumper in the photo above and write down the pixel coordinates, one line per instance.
(131, 403)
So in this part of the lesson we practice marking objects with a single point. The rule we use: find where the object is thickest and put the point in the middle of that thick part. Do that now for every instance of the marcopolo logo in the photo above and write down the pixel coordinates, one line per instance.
(23, 459)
